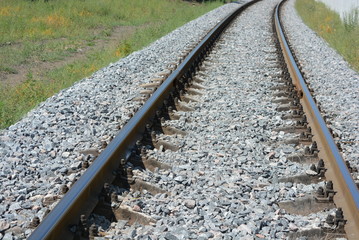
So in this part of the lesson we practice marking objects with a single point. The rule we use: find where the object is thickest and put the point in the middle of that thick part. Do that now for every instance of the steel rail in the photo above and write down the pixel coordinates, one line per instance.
(347, 196)
(83, 195)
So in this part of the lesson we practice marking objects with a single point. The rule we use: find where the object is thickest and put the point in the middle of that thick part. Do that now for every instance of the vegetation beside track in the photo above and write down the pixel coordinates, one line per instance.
(341, 35)
(36, 32)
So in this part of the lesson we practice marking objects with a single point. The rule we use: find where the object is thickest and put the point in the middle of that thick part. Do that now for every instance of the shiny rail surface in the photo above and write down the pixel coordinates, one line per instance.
(347, 196)
(82, 198)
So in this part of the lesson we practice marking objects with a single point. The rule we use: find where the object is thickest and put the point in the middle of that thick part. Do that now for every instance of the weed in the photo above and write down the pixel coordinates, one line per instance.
(20, 99)
(9, 70)
(123, 49)
(351, 20)
(90, 43)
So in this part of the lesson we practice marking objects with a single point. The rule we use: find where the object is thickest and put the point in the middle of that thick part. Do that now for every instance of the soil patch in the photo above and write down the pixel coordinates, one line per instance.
(38, 68)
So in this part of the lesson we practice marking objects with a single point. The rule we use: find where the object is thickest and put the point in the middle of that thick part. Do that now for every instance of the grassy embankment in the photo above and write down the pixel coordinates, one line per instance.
(341, 35)
(34, 33)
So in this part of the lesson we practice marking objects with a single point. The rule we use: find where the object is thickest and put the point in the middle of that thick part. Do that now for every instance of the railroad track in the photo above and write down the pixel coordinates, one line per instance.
(179, 90)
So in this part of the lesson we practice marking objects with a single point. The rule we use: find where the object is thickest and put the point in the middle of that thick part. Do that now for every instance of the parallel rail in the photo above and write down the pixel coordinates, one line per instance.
(347, 196)
(83, 195)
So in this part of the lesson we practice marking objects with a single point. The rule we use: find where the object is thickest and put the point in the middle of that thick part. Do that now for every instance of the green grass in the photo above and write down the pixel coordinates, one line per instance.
(8, 70)
(12, 103)
(50, 27)
(51, 31)
(28, 52)
(341, 35)
(26, 20)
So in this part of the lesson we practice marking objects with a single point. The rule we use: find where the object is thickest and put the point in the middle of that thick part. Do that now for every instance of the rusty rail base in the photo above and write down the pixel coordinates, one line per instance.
(347, 196)
(83, 196)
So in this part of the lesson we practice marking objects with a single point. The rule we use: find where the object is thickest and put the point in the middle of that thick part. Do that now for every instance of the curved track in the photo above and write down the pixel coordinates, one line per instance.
(63, 221)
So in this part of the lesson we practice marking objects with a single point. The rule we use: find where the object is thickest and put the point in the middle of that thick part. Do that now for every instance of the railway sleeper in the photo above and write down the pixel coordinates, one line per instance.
(316, 233)
(198, 79)
(162, 127)
(180, 106)
(187, 99)
(292, 116)
(305, 206)
(298, 141)
(284, 100)
(151, 164)
(314, 174)
(127, 213)
(304, 179)
(169, 130)
(292, 129)
(150, 85)
(302, 158)
(283, 92)
(193, 91)
(287, 107)
(151, 141)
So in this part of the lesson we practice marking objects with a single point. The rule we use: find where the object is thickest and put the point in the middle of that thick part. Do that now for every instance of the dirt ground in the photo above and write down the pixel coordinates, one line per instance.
(38, 68)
